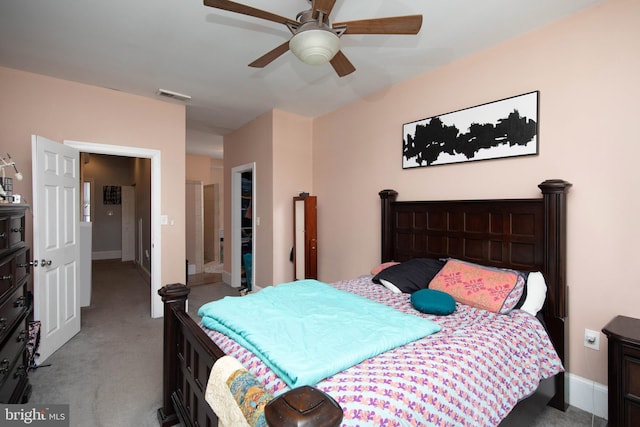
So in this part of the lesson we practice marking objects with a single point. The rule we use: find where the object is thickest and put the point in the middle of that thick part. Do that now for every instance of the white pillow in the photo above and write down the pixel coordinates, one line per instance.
(536, 293)
(393, 288)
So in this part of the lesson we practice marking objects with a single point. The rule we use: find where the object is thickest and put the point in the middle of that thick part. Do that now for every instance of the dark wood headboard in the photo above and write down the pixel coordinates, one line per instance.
(522, 234)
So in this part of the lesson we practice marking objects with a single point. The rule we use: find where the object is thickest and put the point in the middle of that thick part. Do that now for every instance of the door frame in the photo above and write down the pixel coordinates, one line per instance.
(157, 309)
(236, 224)
(211, 221)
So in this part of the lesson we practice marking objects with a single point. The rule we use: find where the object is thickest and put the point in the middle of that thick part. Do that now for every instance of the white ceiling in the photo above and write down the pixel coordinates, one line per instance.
(139, 46)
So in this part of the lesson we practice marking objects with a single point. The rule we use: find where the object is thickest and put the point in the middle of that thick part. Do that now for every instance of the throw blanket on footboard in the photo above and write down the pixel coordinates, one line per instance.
(307, 330)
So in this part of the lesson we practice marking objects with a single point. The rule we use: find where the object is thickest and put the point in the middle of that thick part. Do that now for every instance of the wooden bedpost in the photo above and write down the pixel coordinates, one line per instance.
(555, 206)
(173, 296)
(555, 310)
(387, 197)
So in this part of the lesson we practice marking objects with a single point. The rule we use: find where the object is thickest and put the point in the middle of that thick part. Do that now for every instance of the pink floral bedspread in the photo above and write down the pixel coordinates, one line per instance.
(472, 373)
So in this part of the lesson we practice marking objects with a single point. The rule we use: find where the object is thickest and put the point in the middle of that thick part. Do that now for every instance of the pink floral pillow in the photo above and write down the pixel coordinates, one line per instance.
(479, 286)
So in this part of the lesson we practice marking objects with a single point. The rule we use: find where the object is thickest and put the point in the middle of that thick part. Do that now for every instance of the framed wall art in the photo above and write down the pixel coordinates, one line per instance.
(111, 195)
(504, 128)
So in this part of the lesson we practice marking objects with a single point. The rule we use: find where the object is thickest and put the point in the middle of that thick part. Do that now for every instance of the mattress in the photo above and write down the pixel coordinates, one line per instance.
(472, 372)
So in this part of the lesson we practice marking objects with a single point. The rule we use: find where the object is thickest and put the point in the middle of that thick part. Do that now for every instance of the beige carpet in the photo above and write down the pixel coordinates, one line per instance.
(111, 372)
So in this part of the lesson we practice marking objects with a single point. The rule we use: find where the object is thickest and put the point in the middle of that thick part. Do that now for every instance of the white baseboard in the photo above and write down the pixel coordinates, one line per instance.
(588, 395)
(107, 255)
(226, 277)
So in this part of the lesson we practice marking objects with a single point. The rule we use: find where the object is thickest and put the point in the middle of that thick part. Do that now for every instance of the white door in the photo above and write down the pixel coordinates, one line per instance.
(128, 223)
(56, 230)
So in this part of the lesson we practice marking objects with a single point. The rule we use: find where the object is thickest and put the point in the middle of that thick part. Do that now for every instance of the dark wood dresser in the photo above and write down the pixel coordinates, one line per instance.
(15, 305)
(623, 334)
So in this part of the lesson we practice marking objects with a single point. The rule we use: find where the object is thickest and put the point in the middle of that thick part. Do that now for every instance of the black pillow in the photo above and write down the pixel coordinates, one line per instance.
(411, 276)
(523, 297)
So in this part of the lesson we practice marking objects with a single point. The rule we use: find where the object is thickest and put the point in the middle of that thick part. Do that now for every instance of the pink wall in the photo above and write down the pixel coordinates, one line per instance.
(292, 172)
(198, 168)
(586, 68)
(204, 168)
(253, 143)
(64, 110)
(280, 145)
(217, 177)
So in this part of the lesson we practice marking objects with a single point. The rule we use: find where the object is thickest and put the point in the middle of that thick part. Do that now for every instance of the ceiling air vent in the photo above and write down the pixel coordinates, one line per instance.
(174, 95)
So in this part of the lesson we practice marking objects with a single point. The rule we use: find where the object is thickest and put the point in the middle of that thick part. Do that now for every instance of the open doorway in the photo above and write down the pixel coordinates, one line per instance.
(201, 221)
(110, 206)
(194, 228)
(243, 225)
(155, 251)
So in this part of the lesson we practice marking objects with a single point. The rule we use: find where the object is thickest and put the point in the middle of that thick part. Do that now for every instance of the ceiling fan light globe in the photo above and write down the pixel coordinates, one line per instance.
(315, 47)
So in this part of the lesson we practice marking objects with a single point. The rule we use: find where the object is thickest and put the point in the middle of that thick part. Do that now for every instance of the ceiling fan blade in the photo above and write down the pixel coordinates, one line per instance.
(270, 56)
(394, 25)
(325, 6)
(342, 65)
(248, 10)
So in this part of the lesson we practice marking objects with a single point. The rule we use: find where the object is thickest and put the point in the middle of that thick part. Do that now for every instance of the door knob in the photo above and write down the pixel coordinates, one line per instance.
(45, 262)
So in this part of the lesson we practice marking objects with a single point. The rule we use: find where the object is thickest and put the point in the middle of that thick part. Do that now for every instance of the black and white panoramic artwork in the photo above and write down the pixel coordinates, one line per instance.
(504, 128)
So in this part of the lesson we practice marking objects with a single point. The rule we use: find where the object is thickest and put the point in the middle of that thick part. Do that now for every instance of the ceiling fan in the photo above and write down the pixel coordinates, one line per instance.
(315, 39)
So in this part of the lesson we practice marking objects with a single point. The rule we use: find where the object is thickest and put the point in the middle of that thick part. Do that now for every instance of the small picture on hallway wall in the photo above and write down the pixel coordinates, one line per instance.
(111, 195)
(505, 128)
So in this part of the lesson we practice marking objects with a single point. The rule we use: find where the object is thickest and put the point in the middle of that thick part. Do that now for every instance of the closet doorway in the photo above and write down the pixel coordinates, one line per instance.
(243, 225)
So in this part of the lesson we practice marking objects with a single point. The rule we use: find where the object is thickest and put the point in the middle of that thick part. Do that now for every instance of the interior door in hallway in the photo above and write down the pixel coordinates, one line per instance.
(56, 230)
(128, 223)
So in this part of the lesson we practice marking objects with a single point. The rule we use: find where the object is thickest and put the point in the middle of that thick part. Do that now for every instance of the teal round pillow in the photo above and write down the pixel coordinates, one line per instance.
(432, 301)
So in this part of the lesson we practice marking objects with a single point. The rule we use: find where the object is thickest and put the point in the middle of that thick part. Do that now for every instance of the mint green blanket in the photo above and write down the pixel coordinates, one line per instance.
(307, 330)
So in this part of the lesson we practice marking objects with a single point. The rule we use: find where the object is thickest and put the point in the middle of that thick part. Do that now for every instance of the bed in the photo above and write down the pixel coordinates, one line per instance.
(520, 234)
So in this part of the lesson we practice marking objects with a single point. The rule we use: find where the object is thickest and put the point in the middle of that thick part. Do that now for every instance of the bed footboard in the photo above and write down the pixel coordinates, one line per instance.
(189, 355)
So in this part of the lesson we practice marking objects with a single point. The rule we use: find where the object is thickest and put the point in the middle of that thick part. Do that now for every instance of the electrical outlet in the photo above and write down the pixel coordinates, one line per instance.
(592, 339)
